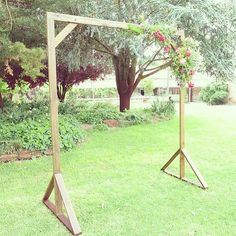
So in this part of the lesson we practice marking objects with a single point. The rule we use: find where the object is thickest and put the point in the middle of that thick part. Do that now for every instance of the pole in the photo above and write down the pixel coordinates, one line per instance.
(181, 131)
(54, 109)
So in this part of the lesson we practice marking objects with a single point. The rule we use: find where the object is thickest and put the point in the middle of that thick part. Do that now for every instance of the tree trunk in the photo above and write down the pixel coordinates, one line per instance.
(1, 101)
(124, 102)
(61, 92)
(125, 66)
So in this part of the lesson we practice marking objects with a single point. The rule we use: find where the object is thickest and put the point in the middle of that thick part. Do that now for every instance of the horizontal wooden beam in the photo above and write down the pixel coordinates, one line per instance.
(86, 20)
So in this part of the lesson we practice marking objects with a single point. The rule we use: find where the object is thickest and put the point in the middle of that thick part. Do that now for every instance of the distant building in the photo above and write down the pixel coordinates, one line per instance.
(163, 81)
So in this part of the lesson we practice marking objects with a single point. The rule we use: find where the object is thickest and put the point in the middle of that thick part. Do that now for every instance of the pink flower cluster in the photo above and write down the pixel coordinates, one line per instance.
(167, 49)
(181, 54)
(158, 35)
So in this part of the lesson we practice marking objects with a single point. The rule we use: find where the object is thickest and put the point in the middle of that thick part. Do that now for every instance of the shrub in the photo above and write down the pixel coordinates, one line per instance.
(28, 125)
(164, 109)
(96, 113)
(101, 127)
(9, 146)
(72, 107)
(215, 93)
(134, 118)
(148, 86)
(70, 132)
(89, 113)
(89, 93)
(105, 92)
(36, 134)
(29, 110)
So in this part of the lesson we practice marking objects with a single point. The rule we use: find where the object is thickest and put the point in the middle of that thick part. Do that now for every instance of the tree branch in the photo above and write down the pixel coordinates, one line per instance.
(153, 58)
(103, 45)
(137, 82)
(9, 12)
(153, 68)
(147, 63)
(162, 67)
(160, 59)
(103, 51)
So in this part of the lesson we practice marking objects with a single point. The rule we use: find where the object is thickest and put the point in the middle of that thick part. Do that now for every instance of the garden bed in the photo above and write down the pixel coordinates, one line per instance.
(27, 126)
(23, 155)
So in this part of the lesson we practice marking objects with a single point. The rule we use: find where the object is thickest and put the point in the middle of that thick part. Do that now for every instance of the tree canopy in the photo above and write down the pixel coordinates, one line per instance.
(14, 54)
(209, 22)
(212, 23)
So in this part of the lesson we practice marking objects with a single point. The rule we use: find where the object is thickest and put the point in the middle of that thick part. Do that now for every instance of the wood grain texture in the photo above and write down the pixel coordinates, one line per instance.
(170, 160)
(181, 151)
(181, 117)
(181, 130)
(64, 220)
(70, 221)
(195, 169)
(54, 107)
(67, 203)
(49, 189)
(62, 35)
(87, 20)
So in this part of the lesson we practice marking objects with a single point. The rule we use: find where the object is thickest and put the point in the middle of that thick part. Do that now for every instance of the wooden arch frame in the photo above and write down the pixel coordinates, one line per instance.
(57, 183)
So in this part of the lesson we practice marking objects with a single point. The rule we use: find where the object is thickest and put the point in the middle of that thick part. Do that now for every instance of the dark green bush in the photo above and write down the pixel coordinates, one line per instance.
(19, 112)
(134, 117)
(164, 109)
(72, 107)
(9, 146)
(27, 125)
(105, 92)
(90, 113)
(215, 93)
(85, 112)
(101, 127)
(35, 134)
(89, 93)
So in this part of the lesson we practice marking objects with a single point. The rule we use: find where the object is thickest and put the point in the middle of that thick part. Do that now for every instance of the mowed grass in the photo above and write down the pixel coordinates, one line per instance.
(117, 188)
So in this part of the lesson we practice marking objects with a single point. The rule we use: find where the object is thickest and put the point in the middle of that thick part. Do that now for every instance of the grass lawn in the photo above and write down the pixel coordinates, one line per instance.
(117, 188)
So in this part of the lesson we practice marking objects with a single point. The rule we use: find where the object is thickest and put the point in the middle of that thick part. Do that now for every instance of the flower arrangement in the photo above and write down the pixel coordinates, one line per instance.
(182, 52)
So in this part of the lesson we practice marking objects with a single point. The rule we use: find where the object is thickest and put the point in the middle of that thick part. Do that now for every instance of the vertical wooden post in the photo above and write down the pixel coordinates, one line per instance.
(181, 151)
(181, 131)
(54, 108)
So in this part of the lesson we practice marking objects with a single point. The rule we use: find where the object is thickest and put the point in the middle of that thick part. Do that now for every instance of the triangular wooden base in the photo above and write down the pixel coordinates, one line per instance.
(70, 221)
(183, 154)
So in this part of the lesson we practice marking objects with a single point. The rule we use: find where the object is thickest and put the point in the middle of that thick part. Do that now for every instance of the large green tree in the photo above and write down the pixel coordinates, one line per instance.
(210, 22)
(30, 59)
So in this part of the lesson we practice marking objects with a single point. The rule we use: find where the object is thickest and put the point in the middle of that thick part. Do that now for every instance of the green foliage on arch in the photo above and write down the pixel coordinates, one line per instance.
(183, 53)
